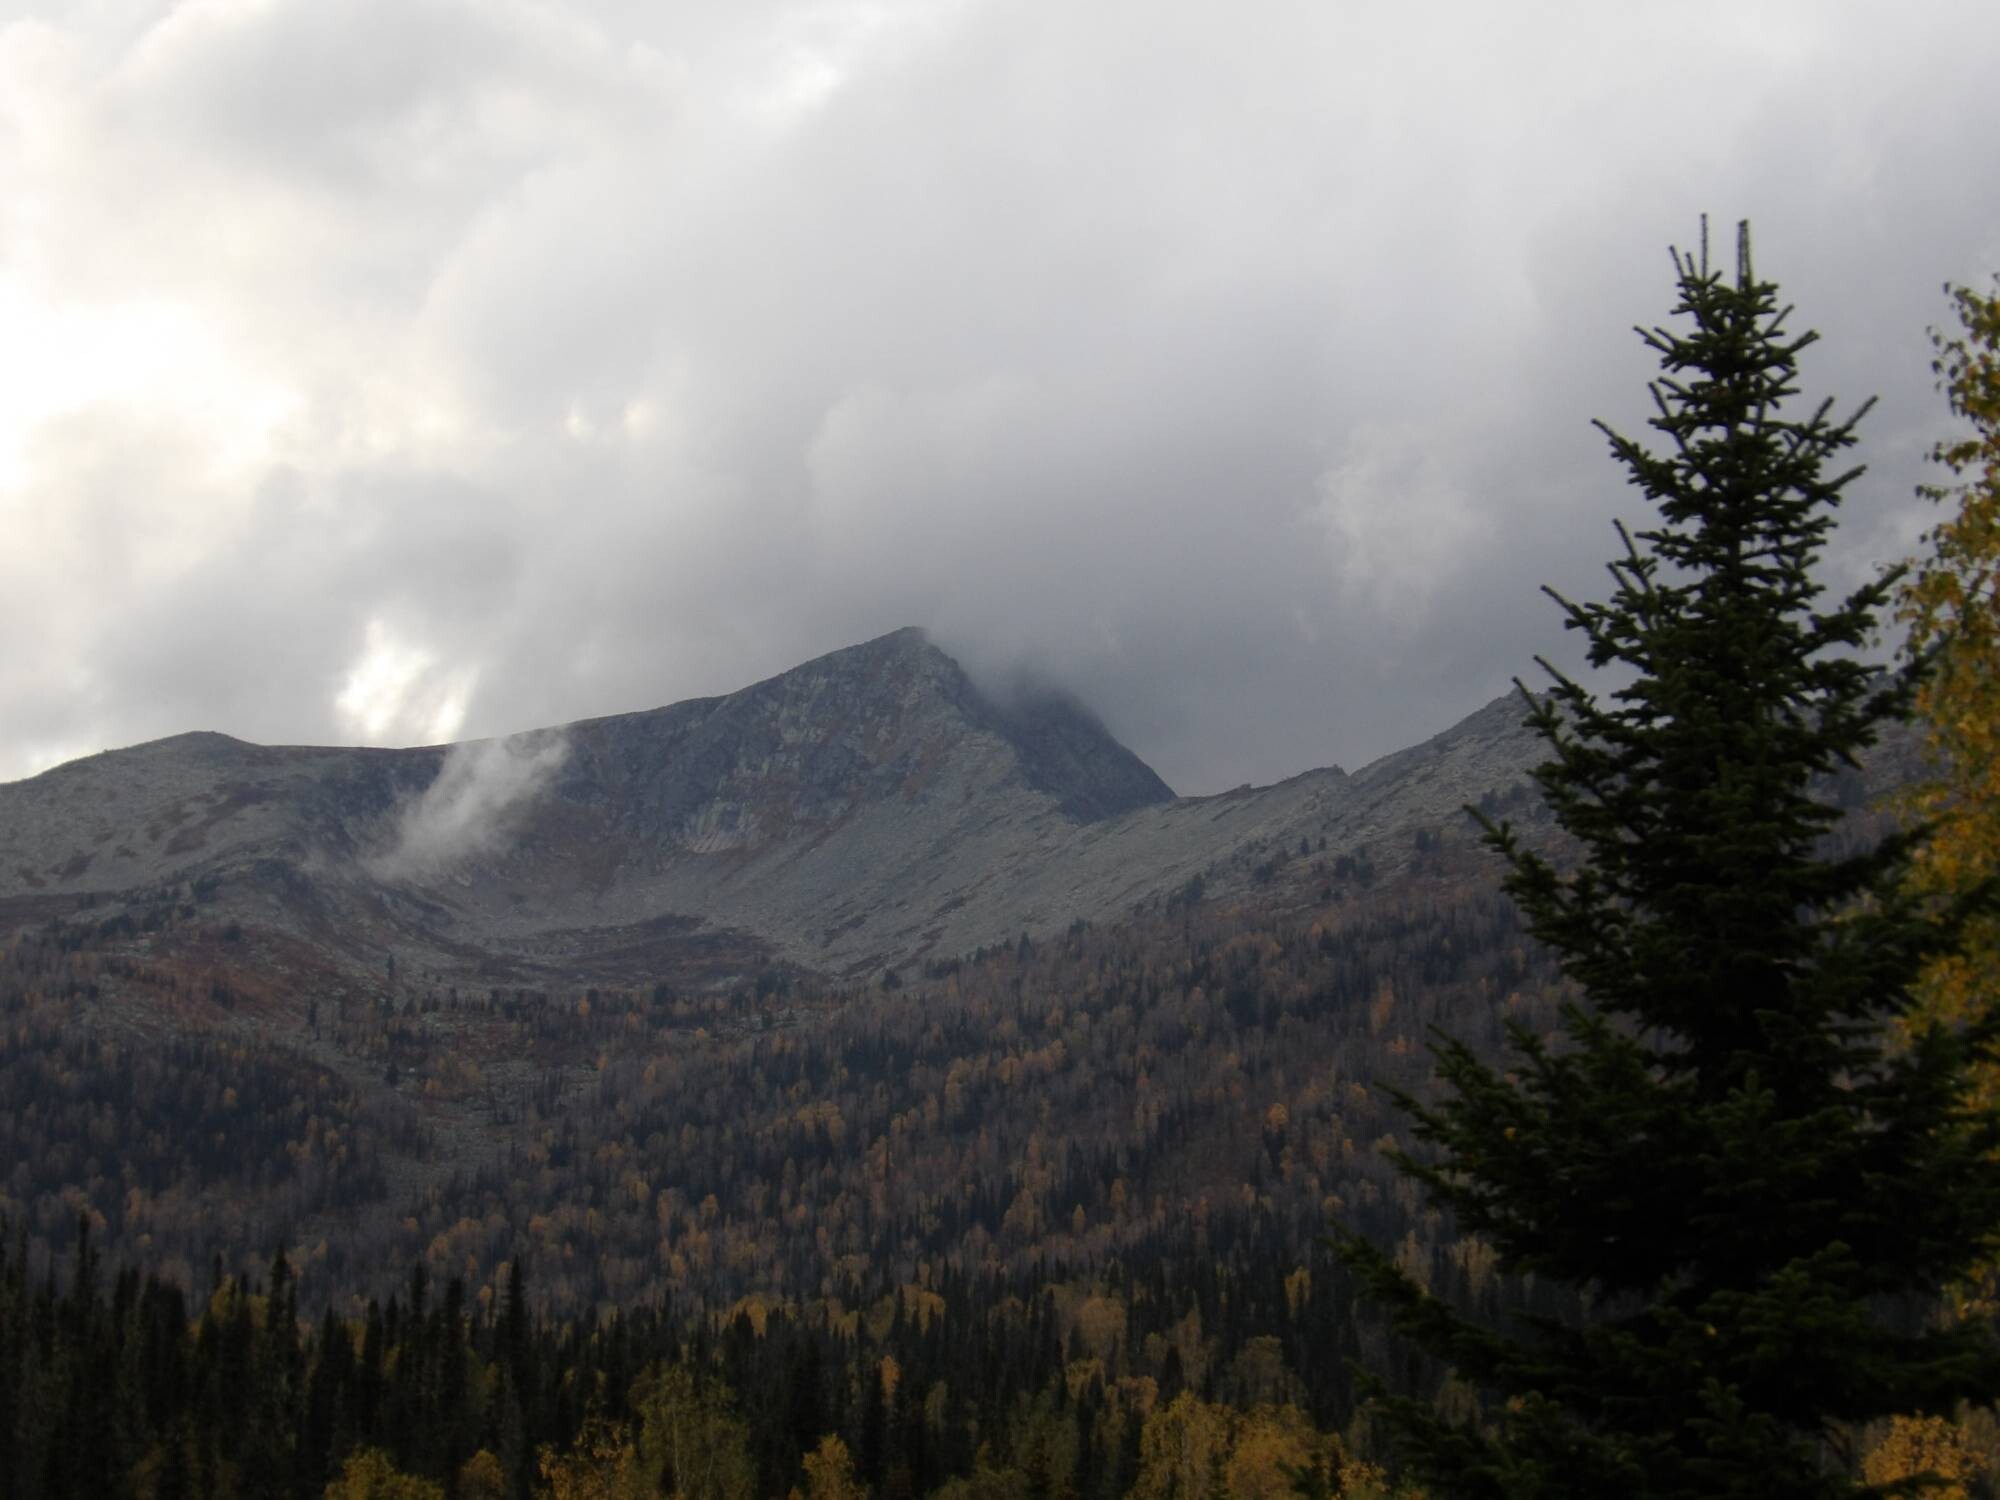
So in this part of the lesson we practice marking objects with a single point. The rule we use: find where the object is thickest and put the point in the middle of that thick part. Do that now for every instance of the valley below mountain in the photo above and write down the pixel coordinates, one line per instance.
(893, 1063)
(802, 992)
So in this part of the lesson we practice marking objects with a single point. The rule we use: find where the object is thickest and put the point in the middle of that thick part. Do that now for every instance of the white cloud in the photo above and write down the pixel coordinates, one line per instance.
(596, 355)
(1401, 527)
(482, 792)
(398, 691)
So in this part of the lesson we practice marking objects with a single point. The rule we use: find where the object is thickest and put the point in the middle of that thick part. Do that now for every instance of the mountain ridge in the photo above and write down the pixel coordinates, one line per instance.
(865, 810)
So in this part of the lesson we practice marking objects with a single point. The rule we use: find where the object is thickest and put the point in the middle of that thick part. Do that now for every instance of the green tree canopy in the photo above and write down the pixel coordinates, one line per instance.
(1756, 1192)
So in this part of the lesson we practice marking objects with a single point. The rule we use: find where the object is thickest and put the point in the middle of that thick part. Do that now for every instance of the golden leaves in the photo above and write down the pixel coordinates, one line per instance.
(1951, 603)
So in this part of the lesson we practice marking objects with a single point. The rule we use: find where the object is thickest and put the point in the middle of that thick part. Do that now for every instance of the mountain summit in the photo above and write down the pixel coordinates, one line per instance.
(867, 809)
(894, 720)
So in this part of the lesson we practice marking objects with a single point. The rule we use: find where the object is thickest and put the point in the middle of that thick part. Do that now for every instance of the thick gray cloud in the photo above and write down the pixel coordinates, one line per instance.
(417, 369)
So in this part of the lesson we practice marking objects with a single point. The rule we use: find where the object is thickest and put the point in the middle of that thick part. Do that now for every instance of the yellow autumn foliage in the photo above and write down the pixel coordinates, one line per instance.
(482, 1477)
(1180, 1447)
(1951, 603)
(1924, 1445)
(599, 1466)
(830, 1472)
(1271, 1443)
(368, 1474)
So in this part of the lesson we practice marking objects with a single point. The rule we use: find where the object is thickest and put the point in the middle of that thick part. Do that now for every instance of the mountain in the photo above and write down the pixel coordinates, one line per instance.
(865, 811)
(813, 991)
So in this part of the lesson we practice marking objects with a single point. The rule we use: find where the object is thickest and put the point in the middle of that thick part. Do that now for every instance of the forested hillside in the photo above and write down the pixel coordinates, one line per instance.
(1107, 1158)
(990, 1215)
(976, 1385)
(1202, 1068)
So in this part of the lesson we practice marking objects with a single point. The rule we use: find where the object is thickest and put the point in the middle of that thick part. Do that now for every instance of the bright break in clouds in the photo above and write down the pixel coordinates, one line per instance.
(408, 370)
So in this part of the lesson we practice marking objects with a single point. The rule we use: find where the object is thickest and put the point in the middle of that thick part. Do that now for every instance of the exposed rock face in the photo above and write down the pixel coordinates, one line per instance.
(892, 720)
(863, 810)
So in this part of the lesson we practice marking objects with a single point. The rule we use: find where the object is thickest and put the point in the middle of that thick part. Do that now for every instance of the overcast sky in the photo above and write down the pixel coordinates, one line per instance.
(393, 371)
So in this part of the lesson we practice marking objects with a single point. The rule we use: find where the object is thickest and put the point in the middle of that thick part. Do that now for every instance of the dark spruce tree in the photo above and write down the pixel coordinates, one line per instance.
(1754, 1186)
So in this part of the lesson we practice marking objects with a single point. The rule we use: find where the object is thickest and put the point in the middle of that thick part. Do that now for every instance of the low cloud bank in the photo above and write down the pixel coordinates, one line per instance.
(482, 793)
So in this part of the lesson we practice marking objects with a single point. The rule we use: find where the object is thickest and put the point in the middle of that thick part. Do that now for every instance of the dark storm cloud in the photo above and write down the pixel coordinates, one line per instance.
(532, 362)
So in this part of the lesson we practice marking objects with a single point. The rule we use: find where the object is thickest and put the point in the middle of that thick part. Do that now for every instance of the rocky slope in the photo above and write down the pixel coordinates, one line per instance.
(863, 811)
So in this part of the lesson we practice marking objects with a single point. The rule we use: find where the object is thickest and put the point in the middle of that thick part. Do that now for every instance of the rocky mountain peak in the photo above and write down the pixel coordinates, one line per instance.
(893, 720)
(872, 807)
